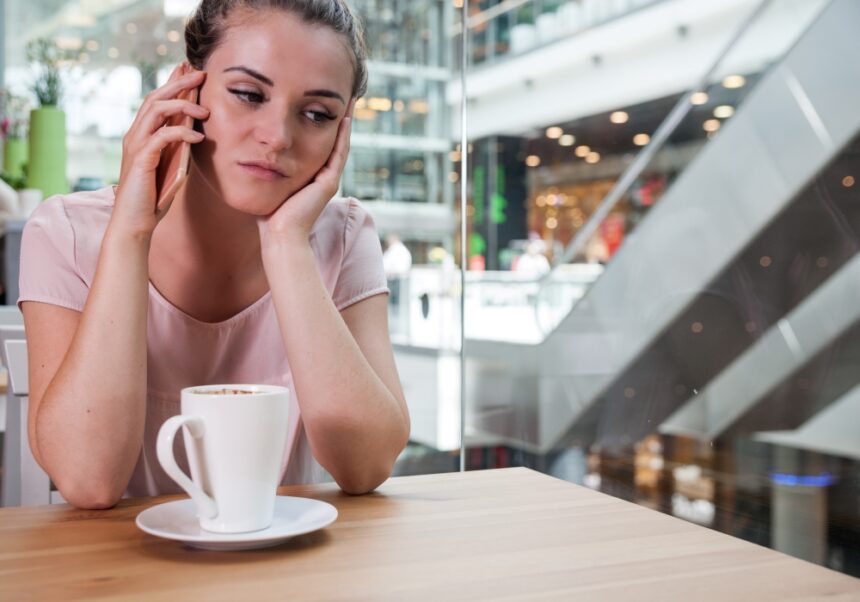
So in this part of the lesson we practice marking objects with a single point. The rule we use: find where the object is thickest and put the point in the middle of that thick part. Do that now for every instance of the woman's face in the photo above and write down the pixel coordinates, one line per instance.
(277, 89)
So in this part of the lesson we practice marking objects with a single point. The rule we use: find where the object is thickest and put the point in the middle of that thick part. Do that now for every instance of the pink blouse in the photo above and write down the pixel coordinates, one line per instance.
(59, 253)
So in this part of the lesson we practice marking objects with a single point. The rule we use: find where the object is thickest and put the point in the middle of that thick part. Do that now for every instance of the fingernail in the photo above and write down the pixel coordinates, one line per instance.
(199, 135)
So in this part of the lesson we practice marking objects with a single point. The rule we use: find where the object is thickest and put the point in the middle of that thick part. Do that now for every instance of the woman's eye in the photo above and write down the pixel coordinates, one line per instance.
(248, 96)
(319, 116)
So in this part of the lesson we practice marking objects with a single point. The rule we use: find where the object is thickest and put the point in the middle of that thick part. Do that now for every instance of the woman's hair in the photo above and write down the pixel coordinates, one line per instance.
(205, 29)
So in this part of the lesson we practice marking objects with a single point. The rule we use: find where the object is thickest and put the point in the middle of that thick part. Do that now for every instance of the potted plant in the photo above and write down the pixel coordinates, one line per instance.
(14, 114)
(47, 152)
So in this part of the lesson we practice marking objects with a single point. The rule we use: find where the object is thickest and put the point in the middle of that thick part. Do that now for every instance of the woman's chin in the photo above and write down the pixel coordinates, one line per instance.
(257, 205)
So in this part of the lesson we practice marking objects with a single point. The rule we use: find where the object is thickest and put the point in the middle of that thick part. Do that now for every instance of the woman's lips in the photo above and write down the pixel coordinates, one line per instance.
(264, 173)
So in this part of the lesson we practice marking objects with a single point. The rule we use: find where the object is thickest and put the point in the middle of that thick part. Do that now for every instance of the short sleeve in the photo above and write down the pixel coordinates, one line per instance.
(361, 274)
(48, 270)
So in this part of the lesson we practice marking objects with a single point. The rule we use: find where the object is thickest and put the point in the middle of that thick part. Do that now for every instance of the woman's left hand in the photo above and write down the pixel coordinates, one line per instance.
(294, 219)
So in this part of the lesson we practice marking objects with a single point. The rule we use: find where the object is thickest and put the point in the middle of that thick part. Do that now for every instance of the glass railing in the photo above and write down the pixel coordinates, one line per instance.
(501, 29)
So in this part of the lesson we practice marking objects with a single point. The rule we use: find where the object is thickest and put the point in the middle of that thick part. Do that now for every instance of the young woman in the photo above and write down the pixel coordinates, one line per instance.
(253, 274)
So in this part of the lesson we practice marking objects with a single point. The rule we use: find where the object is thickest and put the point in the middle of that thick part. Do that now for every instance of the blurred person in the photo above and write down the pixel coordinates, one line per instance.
(252, 273)
(533, 262)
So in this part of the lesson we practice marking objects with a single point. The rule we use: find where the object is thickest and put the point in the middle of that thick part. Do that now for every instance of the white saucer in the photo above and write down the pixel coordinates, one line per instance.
(293, 516)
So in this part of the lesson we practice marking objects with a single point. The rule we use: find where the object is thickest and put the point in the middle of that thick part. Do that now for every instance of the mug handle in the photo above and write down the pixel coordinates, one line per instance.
(164, 447)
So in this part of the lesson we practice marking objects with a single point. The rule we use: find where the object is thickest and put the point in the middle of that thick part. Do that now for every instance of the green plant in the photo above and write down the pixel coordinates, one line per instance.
(14, 115)
(16, 182)
(46, 57)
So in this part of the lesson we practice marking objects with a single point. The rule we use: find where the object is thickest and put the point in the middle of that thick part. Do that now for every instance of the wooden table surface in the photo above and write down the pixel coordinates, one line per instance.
(510, 534)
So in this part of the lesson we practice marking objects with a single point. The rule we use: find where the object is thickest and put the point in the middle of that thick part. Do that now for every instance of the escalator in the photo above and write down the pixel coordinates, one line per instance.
(739, 286)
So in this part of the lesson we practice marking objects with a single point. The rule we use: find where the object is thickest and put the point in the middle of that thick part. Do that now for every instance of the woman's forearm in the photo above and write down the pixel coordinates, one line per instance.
(354, 423)
(89, 425)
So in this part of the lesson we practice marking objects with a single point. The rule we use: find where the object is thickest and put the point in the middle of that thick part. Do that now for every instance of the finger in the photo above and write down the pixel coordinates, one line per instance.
(151, 153)
(165, 109)
(168, 91)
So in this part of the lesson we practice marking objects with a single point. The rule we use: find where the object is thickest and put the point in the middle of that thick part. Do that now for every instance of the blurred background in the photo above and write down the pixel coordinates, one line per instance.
(661, 290)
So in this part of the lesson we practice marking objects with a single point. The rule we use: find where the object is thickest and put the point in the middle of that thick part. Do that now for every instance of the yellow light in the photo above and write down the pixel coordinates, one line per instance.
(532, 160)
(592, 158)
(765, 261)
(173, 35)
(734, 81)
(84, 57)
(551, 223)
(399, 105)
(699, 98)
(554, 132)
(619, 117)
(131, 28)
(364, 114)
(567, 140)
(378, 103)
(848, 181)
(161, 50)
(454, 156)
(453, 176)
(541, 201)
(93, 46)
(641, 139)
(697, 327)
(68, 43)
(458, 3)
(419, 106)
(582, 151)
(711, 125)
(724, 111)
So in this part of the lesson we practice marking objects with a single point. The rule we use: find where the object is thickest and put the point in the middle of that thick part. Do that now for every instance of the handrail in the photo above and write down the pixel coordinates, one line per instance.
(664, 130)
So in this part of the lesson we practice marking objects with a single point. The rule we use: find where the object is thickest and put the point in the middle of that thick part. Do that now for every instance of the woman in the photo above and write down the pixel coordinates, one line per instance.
(252, 274)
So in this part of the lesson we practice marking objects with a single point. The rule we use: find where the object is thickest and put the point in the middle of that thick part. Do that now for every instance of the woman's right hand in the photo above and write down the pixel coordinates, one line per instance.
(135, 206)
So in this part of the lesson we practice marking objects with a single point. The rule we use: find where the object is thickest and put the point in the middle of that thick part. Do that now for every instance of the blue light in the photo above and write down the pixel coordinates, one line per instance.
(793, 480)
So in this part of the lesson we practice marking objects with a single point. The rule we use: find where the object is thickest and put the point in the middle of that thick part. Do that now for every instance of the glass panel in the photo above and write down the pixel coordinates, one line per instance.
(658, 313)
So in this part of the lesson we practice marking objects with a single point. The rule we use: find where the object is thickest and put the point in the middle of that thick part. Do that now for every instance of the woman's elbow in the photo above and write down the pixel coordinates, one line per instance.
(89, 496)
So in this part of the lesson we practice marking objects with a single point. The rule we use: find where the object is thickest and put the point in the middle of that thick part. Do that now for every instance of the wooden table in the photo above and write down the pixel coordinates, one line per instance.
(510, 534)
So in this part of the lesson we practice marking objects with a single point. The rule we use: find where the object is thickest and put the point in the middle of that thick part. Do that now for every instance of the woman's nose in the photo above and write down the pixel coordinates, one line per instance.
(275, 132)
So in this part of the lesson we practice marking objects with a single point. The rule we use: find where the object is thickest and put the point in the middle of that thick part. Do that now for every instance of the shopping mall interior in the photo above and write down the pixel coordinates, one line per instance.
(660, 235)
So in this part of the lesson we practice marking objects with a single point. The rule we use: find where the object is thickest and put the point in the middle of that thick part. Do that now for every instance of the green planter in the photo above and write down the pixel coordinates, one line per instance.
(14, 157)
(46, 169)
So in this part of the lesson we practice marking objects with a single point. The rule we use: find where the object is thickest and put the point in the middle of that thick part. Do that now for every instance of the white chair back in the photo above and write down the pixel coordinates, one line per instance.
(24, 481)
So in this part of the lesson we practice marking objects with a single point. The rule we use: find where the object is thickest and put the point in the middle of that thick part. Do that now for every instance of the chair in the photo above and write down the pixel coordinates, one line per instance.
(24, 481)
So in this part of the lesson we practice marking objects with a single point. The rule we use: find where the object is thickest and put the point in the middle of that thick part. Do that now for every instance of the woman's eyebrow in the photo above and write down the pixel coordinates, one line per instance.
(326, 94)
(252, 73)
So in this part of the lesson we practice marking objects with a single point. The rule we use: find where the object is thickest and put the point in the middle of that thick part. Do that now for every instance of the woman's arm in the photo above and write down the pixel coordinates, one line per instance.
(343, 372)
(88, 379)
(88, 370)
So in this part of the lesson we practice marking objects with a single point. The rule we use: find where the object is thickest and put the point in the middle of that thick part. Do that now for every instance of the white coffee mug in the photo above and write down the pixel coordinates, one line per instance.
(235, 444)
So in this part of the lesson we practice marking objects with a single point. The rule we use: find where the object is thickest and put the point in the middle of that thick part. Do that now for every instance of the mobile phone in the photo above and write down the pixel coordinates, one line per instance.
(175, 158)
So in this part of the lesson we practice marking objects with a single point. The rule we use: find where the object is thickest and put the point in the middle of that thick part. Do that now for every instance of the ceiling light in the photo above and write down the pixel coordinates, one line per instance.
(399, 105)
(68, 42)
(711, 125)
(848, 181)
(554, 132)
(567, 140)
(734, 81)
(454, 156)
(724, 111)
(592, 157)
(532, 160)
(173, 35)
(92, 45)
(619, 117)
(378, 103)
(161, 50)
(113, 52)
(551, 223)
(641, 139)
(699, 98)
(582, 151)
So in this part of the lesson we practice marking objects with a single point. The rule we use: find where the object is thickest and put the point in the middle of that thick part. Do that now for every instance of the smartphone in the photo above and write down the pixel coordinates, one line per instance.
(175, 158)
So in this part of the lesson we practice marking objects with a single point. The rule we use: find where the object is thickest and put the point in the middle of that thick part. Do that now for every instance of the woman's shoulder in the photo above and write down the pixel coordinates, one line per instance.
(75, 223)
(79, 210)
(341, 219)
